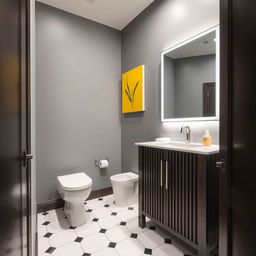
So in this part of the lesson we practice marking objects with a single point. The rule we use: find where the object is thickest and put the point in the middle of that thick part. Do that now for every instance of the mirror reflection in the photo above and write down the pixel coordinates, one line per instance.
(189, 79)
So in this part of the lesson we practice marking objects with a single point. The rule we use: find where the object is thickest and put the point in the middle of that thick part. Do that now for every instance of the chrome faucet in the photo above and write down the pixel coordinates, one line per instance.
(188, 132)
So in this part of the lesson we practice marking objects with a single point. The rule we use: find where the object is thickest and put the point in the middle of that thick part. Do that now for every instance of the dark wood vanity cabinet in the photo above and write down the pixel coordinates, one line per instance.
(179, 192)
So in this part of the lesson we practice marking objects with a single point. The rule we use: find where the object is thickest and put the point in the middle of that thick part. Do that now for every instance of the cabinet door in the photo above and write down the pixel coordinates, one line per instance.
(152, 183)
(166, 173)
(181, 195)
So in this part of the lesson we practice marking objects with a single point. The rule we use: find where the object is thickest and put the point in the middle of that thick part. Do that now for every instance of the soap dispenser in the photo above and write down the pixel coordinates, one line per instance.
(207, 139)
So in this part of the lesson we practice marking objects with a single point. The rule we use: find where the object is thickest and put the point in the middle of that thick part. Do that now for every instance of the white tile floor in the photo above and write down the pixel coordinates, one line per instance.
(111, 231)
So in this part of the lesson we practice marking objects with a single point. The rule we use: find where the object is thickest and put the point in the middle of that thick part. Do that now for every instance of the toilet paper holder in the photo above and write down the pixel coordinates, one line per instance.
(97, 161)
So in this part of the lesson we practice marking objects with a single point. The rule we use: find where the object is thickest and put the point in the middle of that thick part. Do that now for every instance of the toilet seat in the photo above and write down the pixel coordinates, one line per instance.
(77, 181)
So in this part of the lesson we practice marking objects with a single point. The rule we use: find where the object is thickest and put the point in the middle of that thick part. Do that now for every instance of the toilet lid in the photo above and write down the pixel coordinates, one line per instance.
(75, 181)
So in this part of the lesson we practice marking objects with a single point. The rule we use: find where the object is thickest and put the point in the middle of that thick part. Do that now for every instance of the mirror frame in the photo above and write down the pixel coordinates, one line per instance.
(191, 119)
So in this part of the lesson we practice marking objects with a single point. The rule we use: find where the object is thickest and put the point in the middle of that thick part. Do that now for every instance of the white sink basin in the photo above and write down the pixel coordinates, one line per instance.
(196, 148)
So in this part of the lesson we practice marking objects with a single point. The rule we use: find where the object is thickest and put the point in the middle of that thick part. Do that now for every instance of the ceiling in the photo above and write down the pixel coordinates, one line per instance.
(113, 13)
(203, 45)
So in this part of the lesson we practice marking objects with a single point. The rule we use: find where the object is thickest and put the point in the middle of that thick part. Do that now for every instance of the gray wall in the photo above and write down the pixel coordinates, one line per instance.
(189, 76)
(78, 69)
(165, 23)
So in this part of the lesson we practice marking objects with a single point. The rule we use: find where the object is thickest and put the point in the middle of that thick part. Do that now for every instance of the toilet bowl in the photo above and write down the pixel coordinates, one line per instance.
(125, 188)
(74, 190)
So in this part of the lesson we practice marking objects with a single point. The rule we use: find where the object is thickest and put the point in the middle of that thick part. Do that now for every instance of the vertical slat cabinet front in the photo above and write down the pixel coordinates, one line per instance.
(181, 195)
(170, 189)
(166, 170)
(179, 190)
(160, 186)
(141, 217)
(152, 183)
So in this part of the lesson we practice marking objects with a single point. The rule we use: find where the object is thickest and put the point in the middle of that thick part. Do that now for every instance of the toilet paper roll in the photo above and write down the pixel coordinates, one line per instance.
(103, 163)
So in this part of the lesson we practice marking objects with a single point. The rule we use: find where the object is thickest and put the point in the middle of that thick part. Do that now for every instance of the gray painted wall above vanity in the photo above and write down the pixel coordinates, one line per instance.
(143, 40)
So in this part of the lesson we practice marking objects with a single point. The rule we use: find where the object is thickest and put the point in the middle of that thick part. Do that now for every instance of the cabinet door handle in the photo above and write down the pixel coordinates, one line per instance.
(166, 174)
(161, 173)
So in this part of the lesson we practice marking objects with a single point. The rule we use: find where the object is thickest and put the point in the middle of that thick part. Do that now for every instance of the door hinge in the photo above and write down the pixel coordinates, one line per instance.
(26, 158)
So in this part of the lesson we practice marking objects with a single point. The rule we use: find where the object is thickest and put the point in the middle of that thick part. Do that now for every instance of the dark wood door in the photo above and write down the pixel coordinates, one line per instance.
(14, 133)
(209, 99)
(238, 111)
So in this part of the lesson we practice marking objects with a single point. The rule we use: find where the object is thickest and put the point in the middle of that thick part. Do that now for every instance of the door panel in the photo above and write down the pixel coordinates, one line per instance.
(244, 126)
(13, 128)
(238, 109)
(225, 129)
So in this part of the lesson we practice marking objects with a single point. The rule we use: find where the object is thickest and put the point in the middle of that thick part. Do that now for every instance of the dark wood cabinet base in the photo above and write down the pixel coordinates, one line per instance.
(179, 192)
(142, 221)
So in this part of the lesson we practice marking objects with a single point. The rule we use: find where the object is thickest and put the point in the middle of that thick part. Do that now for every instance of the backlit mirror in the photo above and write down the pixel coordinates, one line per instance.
(190, 79)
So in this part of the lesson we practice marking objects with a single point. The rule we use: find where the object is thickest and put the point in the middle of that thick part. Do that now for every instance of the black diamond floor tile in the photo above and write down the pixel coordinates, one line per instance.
(112, 245)
(45, 213)
(103, 230)
(152, 227)
(78, 239)
(148, 251)
(100, 199)
(86, 254)
(95, 219)
(114, 213)
(46, 223)
(50, 250)
(133, 235)
(123, 223)
(89, 210)
(106, 205)
(47, 235)
(130, 208)
(167, 241)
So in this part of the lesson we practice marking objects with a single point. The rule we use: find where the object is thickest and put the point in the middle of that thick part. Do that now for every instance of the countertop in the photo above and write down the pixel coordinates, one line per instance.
(195, 148)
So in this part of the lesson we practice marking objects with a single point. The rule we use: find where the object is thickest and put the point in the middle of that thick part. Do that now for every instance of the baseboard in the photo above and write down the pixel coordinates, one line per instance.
(59, 203)
(49, 205)
(101, 192)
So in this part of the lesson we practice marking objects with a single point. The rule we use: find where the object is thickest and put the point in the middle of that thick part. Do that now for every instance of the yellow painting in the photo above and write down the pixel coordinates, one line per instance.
(133, 90)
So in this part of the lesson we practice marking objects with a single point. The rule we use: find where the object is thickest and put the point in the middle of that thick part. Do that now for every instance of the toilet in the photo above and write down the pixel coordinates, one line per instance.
(125, 188)
(74, 190)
